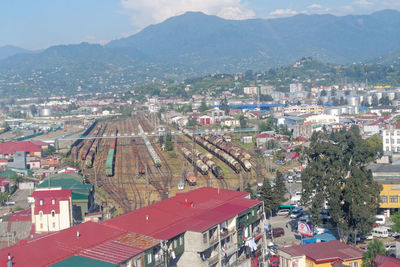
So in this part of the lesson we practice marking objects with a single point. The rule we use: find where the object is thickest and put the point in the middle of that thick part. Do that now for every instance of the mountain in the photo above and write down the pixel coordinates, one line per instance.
(194, 45)
(9, 50)
(211, 43)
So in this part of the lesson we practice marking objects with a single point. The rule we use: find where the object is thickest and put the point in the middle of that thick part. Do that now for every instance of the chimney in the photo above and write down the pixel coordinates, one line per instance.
(147, 217)
(78, 234)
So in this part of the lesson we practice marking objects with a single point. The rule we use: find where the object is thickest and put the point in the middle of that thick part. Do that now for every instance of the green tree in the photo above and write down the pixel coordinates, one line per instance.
(242, 121)
(267, 196)
(374, 247)
(203, 106)
(223, 105)
(249, 190)
(169, 146)
(336, 170)
(395, 218)
(279, 189)
(49, 151)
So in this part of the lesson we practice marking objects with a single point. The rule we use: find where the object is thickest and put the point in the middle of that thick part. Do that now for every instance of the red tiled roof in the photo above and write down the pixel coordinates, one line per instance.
(265, 135)
(58, 246)
(389, 264)
(325, 251)
(21, 216)
(12, 147)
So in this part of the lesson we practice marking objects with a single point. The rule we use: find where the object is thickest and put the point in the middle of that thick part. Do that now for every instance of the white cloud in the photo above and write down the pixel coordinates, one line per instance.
(363, 3)
(316, 9)
(282, 13)
(315, 6)
(145, 12)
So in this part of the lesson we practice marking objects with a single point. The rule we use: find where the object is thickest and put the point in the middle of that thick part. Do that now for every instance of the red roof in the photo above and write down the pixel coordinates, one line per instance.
(381, 259)
(55, 247)
(12, 147)
(47, 197)
(265, 135)
(21, 216)
(166, 219)
(325, 251)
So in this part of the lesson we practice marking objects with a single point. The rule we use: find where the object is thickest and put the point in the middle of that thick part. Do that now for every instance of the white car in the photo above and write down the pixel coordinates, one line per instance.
(283, 212)
(290, 179)
(390, 247)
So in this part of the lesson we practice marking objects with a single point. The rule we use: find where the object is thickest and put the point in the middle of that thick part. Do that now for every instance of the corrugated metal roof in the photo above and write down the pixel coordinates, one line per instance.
(111, 251)
(137, 240)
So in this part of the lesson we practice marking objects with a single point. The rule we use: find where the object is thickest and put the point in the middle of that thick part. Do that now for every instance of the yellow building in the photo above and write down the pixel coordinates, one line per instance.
(324, 254)
(388, 176)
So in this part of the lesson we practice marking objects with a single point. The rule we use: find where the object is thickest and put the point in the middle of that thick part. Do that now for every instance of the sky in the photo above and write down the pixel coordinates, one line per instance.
(38, 24)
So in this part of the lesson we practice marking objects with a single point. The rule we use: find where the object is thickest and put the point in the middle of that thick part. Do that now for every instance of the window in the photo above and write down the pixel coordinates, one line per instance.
(398, 141)
(53, 213)
(54, 225)
(205, 238)
(393, 199)
(41, 202)
(252, 212)
(384, 198)
(181, 240)
(175, 243)
(353, 264)
(41, 226)
(149, 258)
(40, 214)
(53, 201)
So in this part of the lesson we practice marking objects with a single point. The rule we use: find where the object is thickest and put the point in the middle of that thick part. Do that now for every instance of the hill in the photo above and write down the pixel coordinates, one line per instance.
(9, 50)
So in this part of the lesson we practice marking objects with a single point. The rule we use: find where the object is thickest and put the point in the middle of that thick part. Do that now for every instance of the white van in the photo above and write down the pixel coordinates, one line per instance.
(380, 219)
(380, 231)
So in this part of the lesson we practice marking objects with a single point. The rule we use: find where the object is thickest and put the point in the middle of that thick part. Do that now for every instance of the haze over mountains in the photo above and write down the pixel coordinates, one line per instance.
(195, 44)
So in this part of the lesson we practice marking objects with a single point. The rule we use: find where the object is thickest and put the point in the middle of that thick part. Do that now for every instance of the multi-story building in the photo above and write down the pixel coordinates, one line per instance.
(250, 90)
(391, 138)
(203, 227)
(51, 210)
(296, 87)
(388, 176)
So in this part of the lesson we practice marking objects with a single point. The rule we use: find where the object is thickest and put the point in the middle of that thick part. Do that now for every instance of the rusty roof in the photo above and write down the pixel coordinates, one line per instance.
(138, 240)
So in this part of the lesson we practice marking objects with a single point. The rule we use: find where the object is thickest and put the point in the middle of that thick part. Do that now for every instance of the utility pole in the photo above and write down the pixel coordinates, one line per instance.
(147, 184)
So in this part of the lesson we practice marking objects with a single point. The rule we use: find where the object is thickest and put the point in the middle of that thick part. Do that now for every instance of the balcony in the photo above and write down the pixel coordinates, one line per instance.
(227, 233)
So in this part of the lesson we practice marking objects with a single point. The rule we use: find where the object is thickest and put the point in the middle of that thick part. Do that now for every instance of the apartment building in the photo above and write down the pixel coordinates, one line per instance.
(202, 227)
(391, 138)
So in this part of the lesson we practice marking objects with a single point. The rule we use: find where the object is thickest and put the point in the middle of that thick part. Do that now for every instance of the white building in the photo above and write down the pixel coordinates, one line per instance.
(250, 90)
(391, 138)
(296, 87)
(51, 209)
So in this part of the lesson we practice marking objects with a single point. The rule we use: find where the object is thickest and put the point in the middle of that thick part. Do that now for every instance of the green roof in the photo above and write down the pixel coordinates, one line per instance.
(68, 181)
(78, 261)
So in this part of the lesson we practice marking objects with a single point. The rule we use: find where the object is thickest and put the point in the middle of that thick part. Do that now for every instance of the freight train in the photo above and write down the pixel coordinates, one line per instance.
(93, 150)
(225, 157)
(153, 154)
(215, 169)
(110, 162)
(86, 148)
(201, 167)
(139, 164)
(242, 157)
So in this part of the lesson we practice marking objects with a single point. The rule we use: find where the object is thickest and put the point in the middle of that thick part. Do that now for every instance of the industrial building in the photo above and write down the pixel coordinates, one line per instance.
(203, 227)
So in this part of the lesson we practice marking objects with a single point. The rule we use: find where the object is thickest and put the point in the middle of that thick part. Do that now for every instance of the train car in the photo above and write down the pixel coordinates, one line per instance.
(110, 162)
(89, 159)
(153, 153)
(201, 167)
(141, 168)
(189, 177)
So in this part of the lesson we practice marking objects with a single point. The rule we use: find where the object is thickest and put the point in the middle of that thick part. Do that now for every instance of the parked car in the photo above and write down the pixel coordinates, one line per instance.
(305, 218)
(277, 232)
(290, 179)
(283, 212)
(380, 219)
(380, 232)
(390, 247)
(296, 215)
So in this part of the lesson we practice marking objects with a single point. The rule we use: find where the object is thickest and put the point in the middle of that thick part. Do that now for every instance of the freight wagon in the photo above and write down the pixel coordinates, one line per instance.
(201, 167)
(153, 154)
(215, 169)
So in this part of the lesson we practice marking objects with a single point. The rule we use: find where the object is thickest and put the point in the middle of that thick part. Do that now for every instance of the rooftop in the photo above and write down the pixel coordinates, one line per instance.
(12, 147)
(325, 251)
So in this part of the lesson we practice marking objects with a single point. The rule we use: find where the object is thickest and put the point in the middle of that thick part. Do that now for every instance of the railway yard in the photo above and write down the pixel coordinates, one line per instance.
(132, 172)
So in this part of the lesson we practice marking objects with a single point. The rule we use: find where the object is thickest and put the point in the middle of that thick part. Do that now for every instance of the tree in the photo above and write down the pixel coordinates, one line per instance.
(395, 218)
(203, 106)
(242, 121)
(169, 146)
(49, 151)
(223, 105)
(374, 247)
(249, 190)
(267, 196)
(279, 189)
(337, 172)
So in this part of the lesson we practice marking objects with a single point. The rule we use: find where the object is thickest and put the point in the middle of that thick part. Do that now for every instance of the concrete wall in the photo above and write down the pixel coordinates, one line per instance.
(65, 215)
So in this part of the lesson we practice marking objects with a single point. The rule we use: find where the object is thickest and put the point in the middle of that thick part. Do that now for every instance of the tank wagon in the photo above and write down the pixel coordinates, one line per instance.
(153, 154)
(225, 157)
(189, 177)
(201, 167)
(215, 169)
(242, 157)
